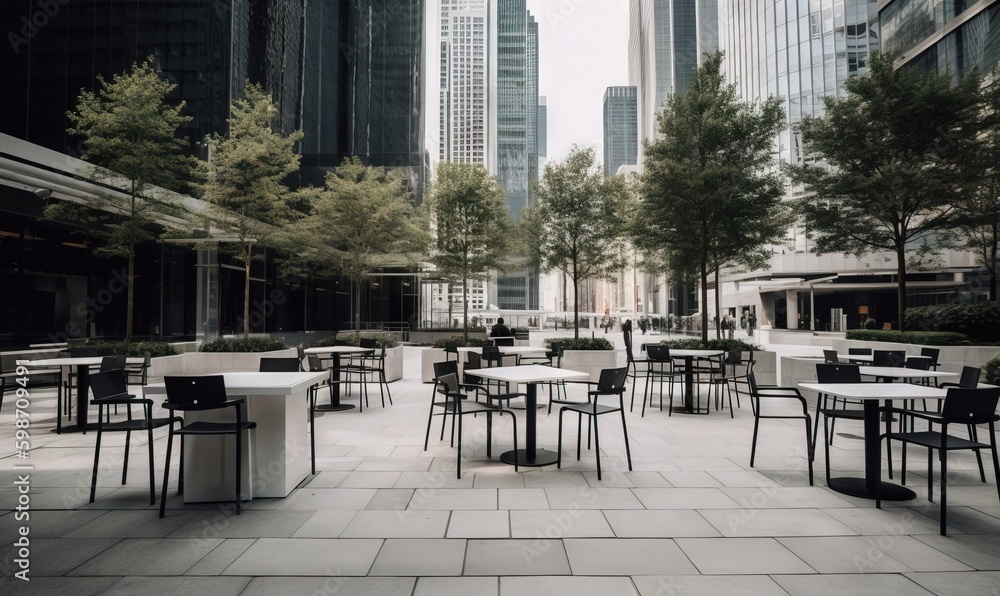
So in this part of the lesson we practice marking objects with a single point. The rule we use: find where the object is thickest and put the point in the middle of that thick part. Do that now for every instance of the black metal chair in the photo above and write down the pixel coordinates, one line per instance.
(315, 365)
(458, 405)
(280, 365)
(933, 354)
(835, 373)
(831, 357)
(858, 352)
(611, 383)
(758, 396)
(961, 407)
(968, 380)
(109, 389)
(893, 358)
(138, 374)
(200, 394)
(503, 341)
(450, 347)
(632, 364)
(661, 368)
(741, 371)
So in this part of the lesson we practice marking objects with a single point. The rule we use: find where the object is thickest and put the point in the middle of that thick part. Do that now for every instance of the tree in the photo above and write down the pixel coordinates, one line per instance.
(579, 220)
(711, 195)
(473, 225)
(130, 135)
(245, 178)
(979, 216)
(892, 162)
(365, 213)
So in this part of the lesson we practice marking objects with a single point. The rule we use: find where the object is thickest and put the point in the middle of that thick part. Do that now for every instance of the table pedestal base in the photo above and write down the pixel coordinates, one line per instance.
(334, 407)
(857, 487)
(543, 457)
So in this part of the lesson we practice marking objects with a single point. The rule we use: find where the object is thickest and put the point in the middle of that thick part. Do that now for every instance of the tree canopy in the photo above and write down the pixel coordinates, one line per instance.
(579, 220)
(472, 225)
(889, 164)
(711, 196)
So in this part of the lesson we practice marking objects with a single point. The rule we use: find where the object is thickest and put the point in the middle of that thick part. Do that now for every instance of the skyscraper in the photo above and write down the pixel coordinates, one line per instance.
(621, 129)
(464, 98)
(531, 104)
(542, 131)
(511, 75)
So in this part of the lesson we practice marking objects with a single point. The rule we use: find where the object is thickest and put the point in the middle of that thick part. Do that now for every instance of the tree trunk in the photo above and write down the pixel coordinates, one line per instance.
(357, 305)
(131, 284)
(901, 287)
(993, 264)
(465, 309)
(576, 303)
(718, 306)
(704, 297)
(246, 294)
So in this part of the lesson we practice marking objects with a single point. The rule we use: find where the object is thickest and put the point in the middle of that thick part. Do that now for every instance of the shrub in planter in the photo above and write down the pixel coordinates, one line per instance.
(383, 339)
(135, 348)
(728, 345)
(472, 342)
(992, 371)
(980, 321)
(927, 338)
(583, 343)
(250, 344)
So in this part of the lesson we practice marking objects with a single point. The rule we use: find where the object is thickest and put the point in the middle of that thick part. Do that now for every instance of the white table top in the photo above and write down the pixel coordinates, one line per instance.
(695, 353)
(258, 383)
(864, 391)
(898, 372)
(522, 350)
(337, 349)
(857, 357)
(78, 361)
(530, 373)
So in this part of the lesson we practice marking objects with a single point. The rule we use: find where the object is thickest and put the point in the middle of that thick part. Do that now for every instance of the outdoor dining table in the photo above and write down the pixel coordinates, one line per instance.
(334, 353)
(277, 460)
(531, 375)
(82, 364)
(689, 357)
(871, 394)
(888, 373)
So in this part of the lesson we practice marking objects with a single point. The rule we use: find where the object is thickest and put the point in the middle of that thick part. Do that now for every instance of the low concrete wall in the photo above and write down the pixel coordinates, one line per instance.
(795, 370)
(593, 362)
(765, 367)
(952, 358)
(201, 363)
(429, 336)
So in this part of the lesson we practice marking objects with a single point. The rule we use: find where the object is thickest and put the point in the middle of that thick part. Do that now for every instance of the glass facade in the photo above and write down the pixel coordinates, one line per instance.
(621, 129)
(463, 79)
(512, 102)
(799, 50)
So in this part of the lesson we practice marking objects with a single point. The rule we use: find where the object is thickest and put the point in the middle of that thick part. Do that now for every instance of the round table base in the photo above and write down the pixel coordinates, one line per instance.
(334, 407)
(543, 457)
(857, 487)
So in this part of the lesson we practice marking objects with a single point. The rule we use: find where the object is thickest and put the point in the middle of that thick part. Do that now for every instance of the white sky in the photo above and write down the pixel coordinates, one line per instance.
(583, 50)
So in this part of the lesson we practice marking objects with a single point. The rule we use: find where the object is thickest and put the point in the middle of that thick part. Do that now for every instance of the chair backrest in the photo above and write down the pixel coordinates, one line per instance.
(838, 373)
(932, 353)
(84, 352)
(315, 364)
(451, 347)
(450, 384)
(894, 358)
(612, 380)
(475, 361)
(279, 365)
(628, 353)
(860, 351)
(503, 341)
(8, 363)
(971, 406)
(657, 352)
(491, 354)
(195, 391)
(109, 383)
(368, 342)
(446, 367)
(831, 357)
(918, 362)
(300, 352)
(112, 363)
(970, 377)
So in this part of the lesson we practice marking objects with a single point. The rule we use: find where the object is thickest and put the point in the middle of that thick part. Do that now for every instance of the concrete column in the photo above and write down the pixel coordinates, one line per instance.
(207, 307)
(792, 308)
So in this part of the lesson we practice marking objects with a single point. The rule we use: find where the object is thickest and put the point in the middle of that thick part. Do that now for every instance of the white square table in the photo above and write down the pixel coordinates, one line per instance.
(531, 375)
(278, 458)
(898, 372)
(82, 364)
(335, 352)
(870, 394)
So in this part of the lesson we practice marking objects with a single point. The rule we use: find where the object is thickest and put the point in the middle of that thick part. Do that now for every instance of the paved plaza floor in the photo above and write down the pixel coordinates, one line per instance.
(383, 516)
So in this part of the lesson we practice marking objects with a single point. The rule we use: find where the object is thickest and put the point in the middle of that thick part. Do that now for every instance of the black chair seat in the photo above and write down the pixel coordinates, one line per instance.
(931, 438)
(139, 424)
(589, 408)
(851, 414)
(213, 428)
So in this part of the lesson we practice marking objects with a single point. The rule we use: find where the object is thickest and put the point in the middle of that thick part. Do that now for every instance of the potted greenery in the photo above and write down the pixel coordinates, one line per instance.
(589, 355)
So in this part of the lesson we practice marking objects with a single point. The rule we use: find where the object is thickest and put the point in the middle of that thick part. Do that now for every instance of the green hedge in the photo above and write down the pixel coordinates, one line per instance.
(384, 339)
(927, 338)
(472, 342)
(980, 321)
(135, 348)
(583, 343)
(728, 345)
(251, 344)
(992, 370)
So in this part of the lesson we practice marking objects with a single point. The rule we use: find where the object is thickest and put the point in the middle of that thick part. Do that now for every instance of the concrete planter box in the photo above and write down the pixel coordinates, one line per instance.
(592, 362)
(429, 336)
(202, 363)
(428, 356)
(765, 367)
(952, 358)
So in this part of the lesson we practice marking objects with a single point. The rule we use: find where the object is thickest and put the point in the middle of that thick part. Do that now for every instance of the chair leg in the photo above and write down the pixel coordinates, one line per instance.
(996, 462)
(489, 435)
(943, 454)
(753, 443)
(458, 460)
(312, 428)
(166, 470)
(152, 475)
(239, 468)
(97, 457)
(809, 450)
(514, 420)
(597, 445)
(128, 442)
(826, 447)
(559, 442)
(628, 450)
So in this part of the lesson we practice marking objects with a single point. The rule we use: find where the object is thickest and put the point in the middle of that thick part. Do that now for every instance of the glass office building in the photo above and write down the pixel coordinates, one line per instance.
(621, 129)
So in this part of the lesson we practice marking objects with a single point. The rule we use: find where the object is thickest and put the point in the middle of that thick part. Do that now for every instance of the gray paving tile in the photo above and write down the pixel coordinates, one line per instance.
(874, 584)
(597, 556)
(915, 554)
(249, 524)
(659, 523)
(843, 554)
(684, 498)
(325, 524)
(334, 584)
(451, 499)
(132, 524)
(741, 556)
(314, 556)
(361, 479)
(405, 557)
(164, 556)
(885, 521)
(977, 583)
(559, 523)
(457, 586)
(558, 586)
(46, 524)
(707, 585)
(516, 557)
(46, 586)
(178, 586)
(390, 499)
(479, 524)
(57, 556)
(221, 557)
(977, 551)
(774, 522)
(525, 498)
(593, 498)
(344, 499)
(397, 524)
